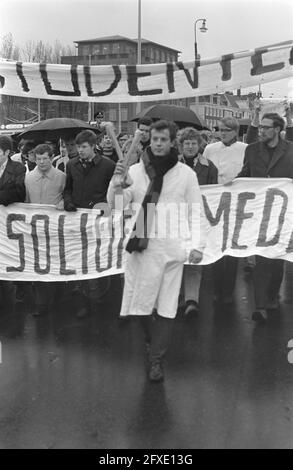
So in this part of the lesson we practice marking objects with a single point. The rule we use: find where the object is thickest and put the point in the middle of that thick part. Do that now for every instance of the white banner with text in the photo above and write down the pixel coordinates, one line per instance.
(41, 243)
(147, 82)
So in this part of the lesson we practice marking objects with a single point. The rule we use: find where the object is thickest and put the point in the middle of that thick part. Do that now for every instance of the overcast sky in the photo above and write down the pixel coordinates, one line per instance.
(233, 25)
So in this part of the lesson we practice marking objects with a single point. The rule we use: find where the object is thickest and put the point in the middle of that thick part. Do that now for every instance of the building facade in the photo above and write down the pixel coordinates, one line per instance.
(118, 50)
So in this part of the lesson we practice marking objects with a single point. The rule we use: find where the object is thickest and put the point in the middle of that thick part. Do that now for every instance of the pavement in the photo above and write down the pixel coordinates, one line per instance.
(82, 384)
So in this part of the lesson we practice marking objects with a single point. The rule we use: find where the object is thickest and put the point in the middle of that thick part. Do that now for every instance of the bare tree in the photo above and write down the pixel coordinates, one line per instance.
(7, 46)
(28, 51)
(13, 107)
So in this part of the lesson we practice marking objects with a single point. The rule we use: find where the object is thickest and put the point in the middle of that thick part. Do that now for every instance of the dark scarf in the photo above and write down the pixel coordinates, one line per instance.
(190, 161)
(156, 168)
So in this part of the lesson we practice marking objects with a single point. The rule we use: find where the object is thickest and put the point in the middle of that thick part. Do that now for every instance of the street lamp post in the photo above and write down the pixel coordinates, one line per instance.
(203, 29)
(89, 107)
(138, 61)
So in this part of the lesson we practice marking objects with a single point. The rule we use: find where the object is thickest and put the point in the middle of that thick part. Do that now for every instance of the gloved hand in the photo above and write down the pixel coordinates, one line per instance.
(70, 207)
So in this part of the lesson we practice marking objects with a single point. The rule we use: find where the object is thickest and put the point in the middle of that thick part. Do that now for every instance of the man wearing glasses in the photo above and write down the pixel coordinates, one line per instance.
(228, 156)
(270, 157)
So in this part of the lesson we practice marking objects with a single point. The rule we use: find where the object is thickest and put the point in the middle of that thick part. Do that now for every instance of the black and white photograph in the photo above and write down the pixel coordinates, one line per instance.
(146, 227)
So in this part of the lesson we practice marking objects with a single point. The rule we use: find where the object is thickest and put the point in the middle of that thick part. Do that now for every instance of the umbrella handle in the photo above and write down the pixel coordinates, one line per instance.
(108, 126)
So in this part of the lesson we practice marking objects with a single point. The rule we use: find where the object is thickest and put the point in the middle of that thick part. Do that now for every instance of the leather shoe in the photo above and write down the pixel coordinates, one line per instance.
(156, 373)
(191, 308)
(260, 316)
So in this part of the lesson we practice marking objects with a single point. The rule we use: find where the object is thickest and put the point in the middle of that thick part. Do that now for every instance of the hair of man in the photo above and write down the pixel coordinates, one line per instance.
(147, 121)
(43, 148)
(278, 121)
(5, 143)
(164, 124)
(86, 136)
(231, 123)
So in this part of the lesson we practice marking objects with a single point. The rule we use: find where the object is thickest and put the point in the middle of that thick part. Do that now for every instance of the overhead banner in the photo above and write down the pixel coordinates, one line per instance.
(40, 243)
(147, 82)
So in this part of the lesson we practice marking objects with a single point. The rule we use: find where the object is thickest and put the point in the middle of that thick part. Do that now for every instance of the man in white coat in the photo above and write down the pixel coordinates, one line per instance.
(228, 157)
(163, 189)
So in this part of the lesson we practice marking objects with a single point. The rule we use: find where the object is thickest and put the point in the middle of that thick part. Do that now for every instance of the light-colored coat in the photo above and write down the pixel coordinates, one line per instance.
(153, 277)
(45, 188)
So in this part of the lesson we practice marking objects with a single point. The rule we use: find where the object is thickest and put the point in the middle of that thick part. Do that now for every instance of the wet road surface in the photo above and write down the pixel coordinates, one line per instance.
(69, 383)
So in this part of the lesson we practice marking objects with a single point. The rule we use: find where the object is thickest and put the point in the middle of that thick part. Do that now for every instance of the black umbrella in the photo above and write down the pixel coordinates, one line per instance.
(55, 128)
(181, 115)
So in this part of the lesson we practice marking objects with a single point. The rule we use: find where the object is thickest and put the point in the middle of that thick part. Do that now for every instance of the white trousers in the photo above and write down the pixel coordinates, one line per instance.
(153, 278)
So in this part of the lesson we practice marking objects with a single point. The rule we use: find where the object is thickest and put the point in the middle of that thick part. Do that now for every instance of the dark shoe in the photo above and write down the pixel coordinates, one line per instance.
(191, 309)
(156, 373)
(82, 313)
(260, 316)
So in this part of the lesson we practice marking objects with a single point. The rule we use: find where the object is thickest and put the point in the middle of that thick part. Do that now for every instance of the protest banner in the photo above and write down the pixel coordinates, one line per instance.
(131, 83)
(38, 242)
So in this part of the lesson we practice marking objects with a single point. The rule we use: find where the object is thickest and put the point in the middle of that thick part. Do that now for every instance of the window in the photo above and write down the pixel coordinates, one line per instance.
(96, 49)
(112, 115)
(106, 49)
(157, 55)
(86, 50)
(152, 54)
(124, 114)
(116, 48)
(215, 100)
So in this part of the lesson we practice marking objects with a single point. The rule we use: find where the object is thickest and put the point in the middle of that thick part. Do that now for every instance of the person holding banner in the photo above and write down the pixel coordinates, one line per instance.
(45, 185)
(271, 157)
(87, 180)
(190, 142)
(228, 157)
(253, 131)
(155, 257)
(12, 190)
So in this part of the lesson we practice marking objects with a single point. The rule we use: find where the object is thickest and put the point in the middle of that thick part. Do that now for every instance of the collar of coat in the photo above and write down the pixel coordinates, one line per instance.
(39, 175)
(96, 160)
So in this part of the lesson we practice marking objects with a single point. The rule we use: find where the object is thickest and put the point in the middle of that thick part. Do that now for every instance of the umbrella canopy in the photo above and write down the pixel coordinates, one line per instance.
(181, 115)
(55, 128)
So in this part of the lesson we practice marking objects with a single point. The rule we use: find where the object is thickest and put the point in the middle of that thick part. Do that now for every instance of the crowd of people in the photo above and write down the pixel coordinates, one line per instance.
(167, 165)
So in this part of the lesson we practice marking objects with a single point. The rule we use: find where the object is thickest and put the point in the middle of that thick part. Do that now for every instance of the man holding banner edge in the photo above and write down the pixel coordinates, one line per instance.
(271, 157)
(154, 265)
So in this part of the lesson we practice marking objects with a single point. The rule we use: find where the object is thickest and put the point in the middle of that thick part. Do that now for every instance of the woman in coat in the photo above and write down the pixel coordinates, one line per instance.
(190, 142)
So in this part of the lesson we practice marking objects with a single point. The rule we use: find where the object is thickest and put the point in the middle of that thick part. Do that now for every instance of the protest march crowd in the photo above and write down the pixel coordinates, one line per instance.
(163, 165)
